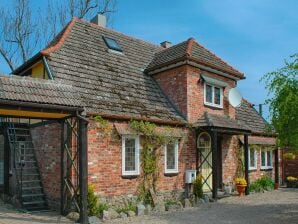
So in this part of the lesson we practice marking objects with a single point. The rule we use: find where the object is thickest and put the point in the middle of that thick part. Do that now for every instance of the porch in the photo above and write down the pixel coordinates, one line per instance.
(221, 141)
(25, 102)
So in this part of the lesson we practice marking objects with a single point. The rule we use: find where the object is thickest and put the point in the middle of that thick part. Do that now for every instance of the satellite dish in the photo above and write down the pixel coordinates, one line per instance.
(235, 97)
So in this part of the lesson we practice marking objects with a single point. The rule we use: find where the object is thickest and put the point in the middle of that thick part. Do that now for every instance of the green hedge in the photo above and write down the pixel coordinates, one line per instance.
(263, 183)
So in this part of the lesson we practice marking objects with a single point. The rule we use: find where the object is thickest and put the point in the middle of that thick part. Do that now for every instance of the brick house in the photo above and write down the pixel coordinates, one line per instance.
(119, 78)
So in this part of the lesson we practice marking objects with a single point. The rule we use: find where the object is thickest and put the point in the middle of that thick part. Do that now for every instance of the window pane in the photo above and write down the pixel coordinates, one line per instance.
(208, 94)
(171, 157)
(217, 95)
(263, 158)
(130, 155)
(252, 157)
(269, 161)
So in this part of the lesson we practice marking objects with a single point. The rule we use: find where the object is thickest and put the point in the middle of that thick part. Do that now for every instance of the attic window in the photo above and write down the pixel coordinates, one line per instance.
(112, 44)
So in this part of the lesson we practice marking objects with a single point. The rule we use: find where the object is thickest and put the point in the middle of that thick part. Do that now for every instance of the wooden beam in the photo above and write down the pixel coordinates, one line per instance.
(276, 160)
(62, 169)
(32, 114)
(214, 165)
(83, 169)
(246, 155)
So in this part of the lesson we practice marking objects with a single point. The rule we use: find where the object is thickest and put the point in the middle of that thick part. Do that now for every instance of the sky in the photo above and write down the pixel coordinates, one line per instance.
(254, 36)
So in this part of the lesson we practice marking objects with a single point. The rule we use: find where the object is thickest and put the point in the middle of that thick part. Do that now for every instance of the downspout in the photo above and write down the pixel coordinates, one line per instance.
(44, 60)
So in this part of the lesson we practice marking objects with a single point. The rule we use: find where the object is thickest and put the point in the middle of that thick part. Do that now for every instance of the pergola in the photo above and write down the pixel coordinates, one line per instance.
(51, 100)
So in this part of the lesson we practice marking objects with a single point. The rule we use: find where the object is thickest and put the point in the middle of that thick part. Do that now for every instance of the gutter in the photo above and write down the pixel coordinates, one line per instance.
(122, 117)
(39, 106)
(49, 71)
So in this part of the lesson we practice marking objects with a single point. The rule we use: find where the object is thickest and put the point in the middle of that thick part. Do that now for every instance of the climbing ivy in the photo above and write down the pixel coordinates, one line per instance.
(152, 140)
(103, 124)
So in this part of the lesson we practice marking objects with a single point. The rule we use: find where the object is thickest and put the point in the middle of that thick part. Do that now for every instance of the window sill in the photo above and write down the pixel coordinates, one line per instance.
(211, 105)
(252, 169)
(266, 168)
(130, 176)
(171, 173)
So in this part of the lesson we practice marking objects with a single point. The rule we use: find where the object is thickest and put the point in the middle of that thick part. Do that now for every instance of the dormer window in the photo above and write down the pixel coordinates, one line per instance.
(213, 91)
(112, 44)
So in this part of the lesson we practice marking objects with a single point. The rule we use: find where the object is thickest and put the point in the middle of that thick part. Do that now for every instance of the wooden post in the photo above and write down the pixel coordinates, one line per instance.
(276, 166)
(6, 164)
(214, 165)
(62, 168)
(83, 169)
(246, 155)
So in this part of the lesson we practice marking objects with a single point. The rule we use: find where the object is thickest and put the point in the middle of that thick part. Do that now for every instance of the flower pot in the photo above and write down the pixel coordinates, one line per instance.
(241, 189)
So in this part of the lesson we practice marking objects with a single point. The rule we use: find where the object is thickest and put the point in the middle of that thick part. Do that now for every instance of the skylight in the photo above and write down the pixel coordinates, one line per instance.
(112, 44)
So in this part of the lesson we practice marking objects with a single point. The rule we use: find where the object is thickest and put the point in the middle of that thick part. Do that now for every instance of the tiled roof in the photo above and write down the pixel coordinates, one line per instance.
(247, 115)
(220, 121)
(109, 82)
(16, 88)
(191, 50)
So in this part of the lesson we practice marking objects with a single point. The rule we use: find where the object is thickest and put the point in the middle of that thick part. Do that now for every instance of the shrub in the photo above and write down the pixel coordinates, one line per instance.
(263, 183)
(198, 187)
(131, 206)
(94, 207)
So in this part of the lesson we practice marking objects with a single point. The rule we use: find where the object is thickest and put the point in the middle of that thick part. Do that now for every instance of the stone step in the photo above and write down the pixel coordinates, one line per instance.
(32, 195)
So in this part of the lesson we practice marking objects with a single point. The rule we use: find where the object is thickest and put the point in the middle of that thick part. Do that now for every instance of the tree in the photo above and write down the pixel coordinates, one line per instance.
(282, 85)
(22, 32)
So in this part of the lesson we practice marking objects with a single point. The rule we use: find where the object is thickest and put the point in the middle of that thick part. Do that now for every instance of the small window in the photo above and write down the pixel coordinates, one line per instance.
(213, 95)
(112, 44)
(266, 159)
(252, 159)
(171, 157)
(130, 155)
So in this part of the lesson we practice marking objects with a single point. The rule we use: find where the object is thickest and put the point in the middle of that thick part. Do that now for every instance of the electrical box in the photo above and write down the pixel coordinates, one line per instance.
(190, 176)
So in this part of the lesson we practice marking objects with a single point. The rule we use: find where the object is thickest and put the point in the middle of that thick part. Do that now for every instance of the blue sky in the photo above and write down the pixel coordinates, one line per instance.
(254, 36)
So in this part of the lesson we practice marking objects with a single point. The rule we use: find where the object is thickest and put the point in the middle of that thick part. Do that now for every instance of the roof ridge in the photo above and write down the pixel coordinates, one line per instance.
(189, 46)
(58, 45)
(218, 57)
(114, 31)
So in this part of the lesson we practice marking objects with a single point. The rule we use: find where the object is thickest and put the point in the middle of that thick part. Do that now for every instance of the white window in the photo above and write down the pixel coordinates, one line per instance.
(130, 155)
(266, 158)
(171, 157)
(252, 159)
(213, 95)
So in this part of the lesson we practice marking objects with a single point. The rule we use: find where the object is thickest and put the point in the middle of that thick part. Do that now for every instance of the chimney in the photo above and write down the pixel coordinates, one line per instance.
(166, 44)
(100, 20)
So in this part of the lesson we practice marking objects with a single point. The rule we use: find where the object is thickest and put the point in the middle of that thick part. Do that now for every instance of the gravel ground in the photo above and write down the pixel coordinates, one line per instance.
(10, 215)
(275, 207)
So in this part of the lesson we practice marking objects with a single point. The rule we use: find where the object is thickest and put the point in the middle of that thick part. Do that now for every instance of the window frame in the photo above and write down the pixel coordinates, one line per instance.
(266, 167)
(135, 172)
(255, 158)
(117, 49)
(176, 169)
(212, 104)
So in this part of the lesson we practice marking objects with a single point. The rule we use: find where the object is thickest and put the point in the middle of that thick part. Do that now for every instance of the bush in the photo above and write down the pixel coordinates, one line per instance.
(263, 183)
(131, 206)
(94, 207)
(198, 187)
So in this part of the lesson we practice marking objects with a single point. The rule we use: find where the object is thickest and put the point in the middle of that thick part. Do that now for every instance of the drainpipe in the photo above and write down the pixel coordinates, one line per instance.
(47, 68)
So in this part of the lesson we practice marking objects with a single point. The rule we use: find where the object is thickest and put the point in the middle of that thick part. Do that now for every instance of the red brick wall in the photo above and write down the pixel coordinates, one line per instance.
(230, 145)
(174, 84)
(104, 164)
(183, 86)
(47, 145)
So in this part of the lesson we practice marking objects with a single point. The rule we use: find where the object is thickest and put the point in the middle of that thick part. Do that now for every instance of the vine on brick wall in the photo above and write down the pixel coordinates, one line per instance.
(152, 140)
(103, 124)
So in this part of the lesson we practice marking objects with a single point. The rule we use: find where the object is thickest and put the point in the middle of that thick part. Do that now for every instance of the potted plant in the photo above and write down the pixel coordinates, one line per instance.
(241, 184)
(291, 182)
